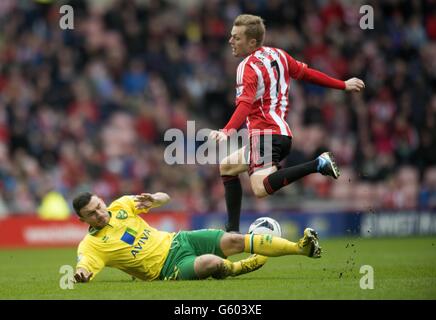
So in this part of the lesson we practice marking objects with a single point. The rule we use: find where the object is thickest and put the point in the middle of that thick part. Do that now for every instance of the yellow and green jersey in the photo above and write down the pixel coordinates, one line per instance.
(127, 243)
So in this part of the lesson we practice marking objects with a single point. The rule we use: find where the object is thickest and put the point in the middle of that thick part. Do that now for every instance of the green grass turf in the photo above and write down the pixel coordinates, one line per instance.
(404, 268)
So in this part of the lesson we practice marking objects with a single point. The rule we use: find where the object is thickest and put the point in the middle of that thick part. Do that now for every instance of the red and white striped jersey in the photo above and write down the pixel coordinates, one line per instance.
(263, 80)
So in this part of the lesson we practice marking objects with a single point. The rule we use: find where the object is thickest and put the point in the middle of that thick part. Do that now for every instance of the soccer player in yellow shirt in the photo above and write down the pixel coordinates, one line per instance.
(118, 237)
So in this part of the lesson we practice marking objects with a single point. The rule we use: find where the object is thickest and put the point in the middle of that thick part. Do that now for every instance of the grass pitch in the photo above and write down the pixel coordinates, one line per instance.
(404, 268)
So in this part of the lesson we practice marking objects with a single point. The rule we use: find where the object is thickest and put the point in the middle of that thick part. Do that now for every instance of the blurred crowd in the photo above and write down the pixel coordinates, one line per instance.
(87, 109)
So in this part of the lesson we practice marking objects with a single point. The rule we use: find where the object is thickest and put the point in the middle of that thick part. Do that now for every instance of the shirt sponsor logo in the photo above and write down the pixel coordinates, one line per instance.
(138, 247)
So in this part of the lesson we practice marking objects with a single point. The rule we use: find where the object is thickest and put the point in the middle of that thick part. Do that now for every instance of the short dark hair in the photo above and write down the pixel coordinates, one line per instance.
(81, 200)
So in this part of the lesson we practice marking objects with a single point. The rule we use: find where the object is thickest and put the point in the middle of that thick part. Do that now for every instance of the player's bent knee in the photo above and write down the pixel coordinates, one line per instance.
(232, 243)
(259, 191)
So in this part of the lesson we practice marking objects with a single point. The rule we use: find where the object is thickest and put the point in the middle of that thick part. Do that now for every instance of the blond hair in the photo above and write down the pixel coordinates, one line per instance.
(254, 27)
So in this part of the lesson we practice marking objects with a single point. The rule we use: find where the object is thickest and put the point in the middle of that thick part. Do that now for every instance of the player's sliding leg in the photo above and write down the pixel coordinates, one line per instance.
(271, 246)
(263, 182)
(230, 168)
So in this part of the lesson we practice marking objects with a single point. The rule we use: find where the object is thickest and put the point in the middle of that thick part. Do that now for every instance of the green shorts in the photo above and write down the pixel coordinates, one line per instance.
(186, 246)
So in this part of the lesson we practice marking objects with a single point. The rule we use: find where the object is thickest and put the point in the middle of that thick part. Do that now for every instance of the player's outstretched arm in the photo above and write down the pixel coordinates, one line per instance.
(320, 78)
(354, 84)
(82, 275)
(148, 200)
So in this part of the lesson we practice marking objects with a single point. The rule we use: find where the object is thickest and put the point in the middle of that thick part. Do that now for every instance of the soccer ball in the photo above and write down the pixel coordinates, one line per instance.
(265, 225)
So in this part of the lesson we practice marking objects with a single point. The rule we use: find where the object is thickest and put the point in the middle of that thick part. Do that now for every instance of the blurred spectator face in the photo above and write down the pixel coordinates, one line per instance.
(430, 178)
(408, 176)
(95, 213)
(241, 45)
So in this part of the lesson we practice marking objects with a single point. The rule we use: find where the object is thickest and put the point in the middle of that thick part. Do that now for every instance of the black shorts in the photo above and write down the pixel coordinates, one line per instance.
(267, 151)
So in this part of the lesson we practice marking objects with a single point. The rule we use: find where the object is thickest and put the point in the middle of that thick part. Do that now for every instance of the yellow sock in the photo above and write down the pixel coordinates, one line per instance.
(267, 245)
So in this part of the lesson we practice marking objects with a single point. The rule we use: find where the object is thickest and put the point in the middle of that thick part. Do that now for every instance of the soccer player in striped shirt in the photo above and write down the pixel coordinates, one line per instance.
(119, 238)
(262, 88)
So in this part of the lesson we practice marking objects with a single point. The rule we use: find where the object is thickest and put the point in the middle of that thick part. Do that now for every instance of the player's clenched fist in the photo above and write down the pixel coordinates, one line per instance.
(217, 135)
(354, 84)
